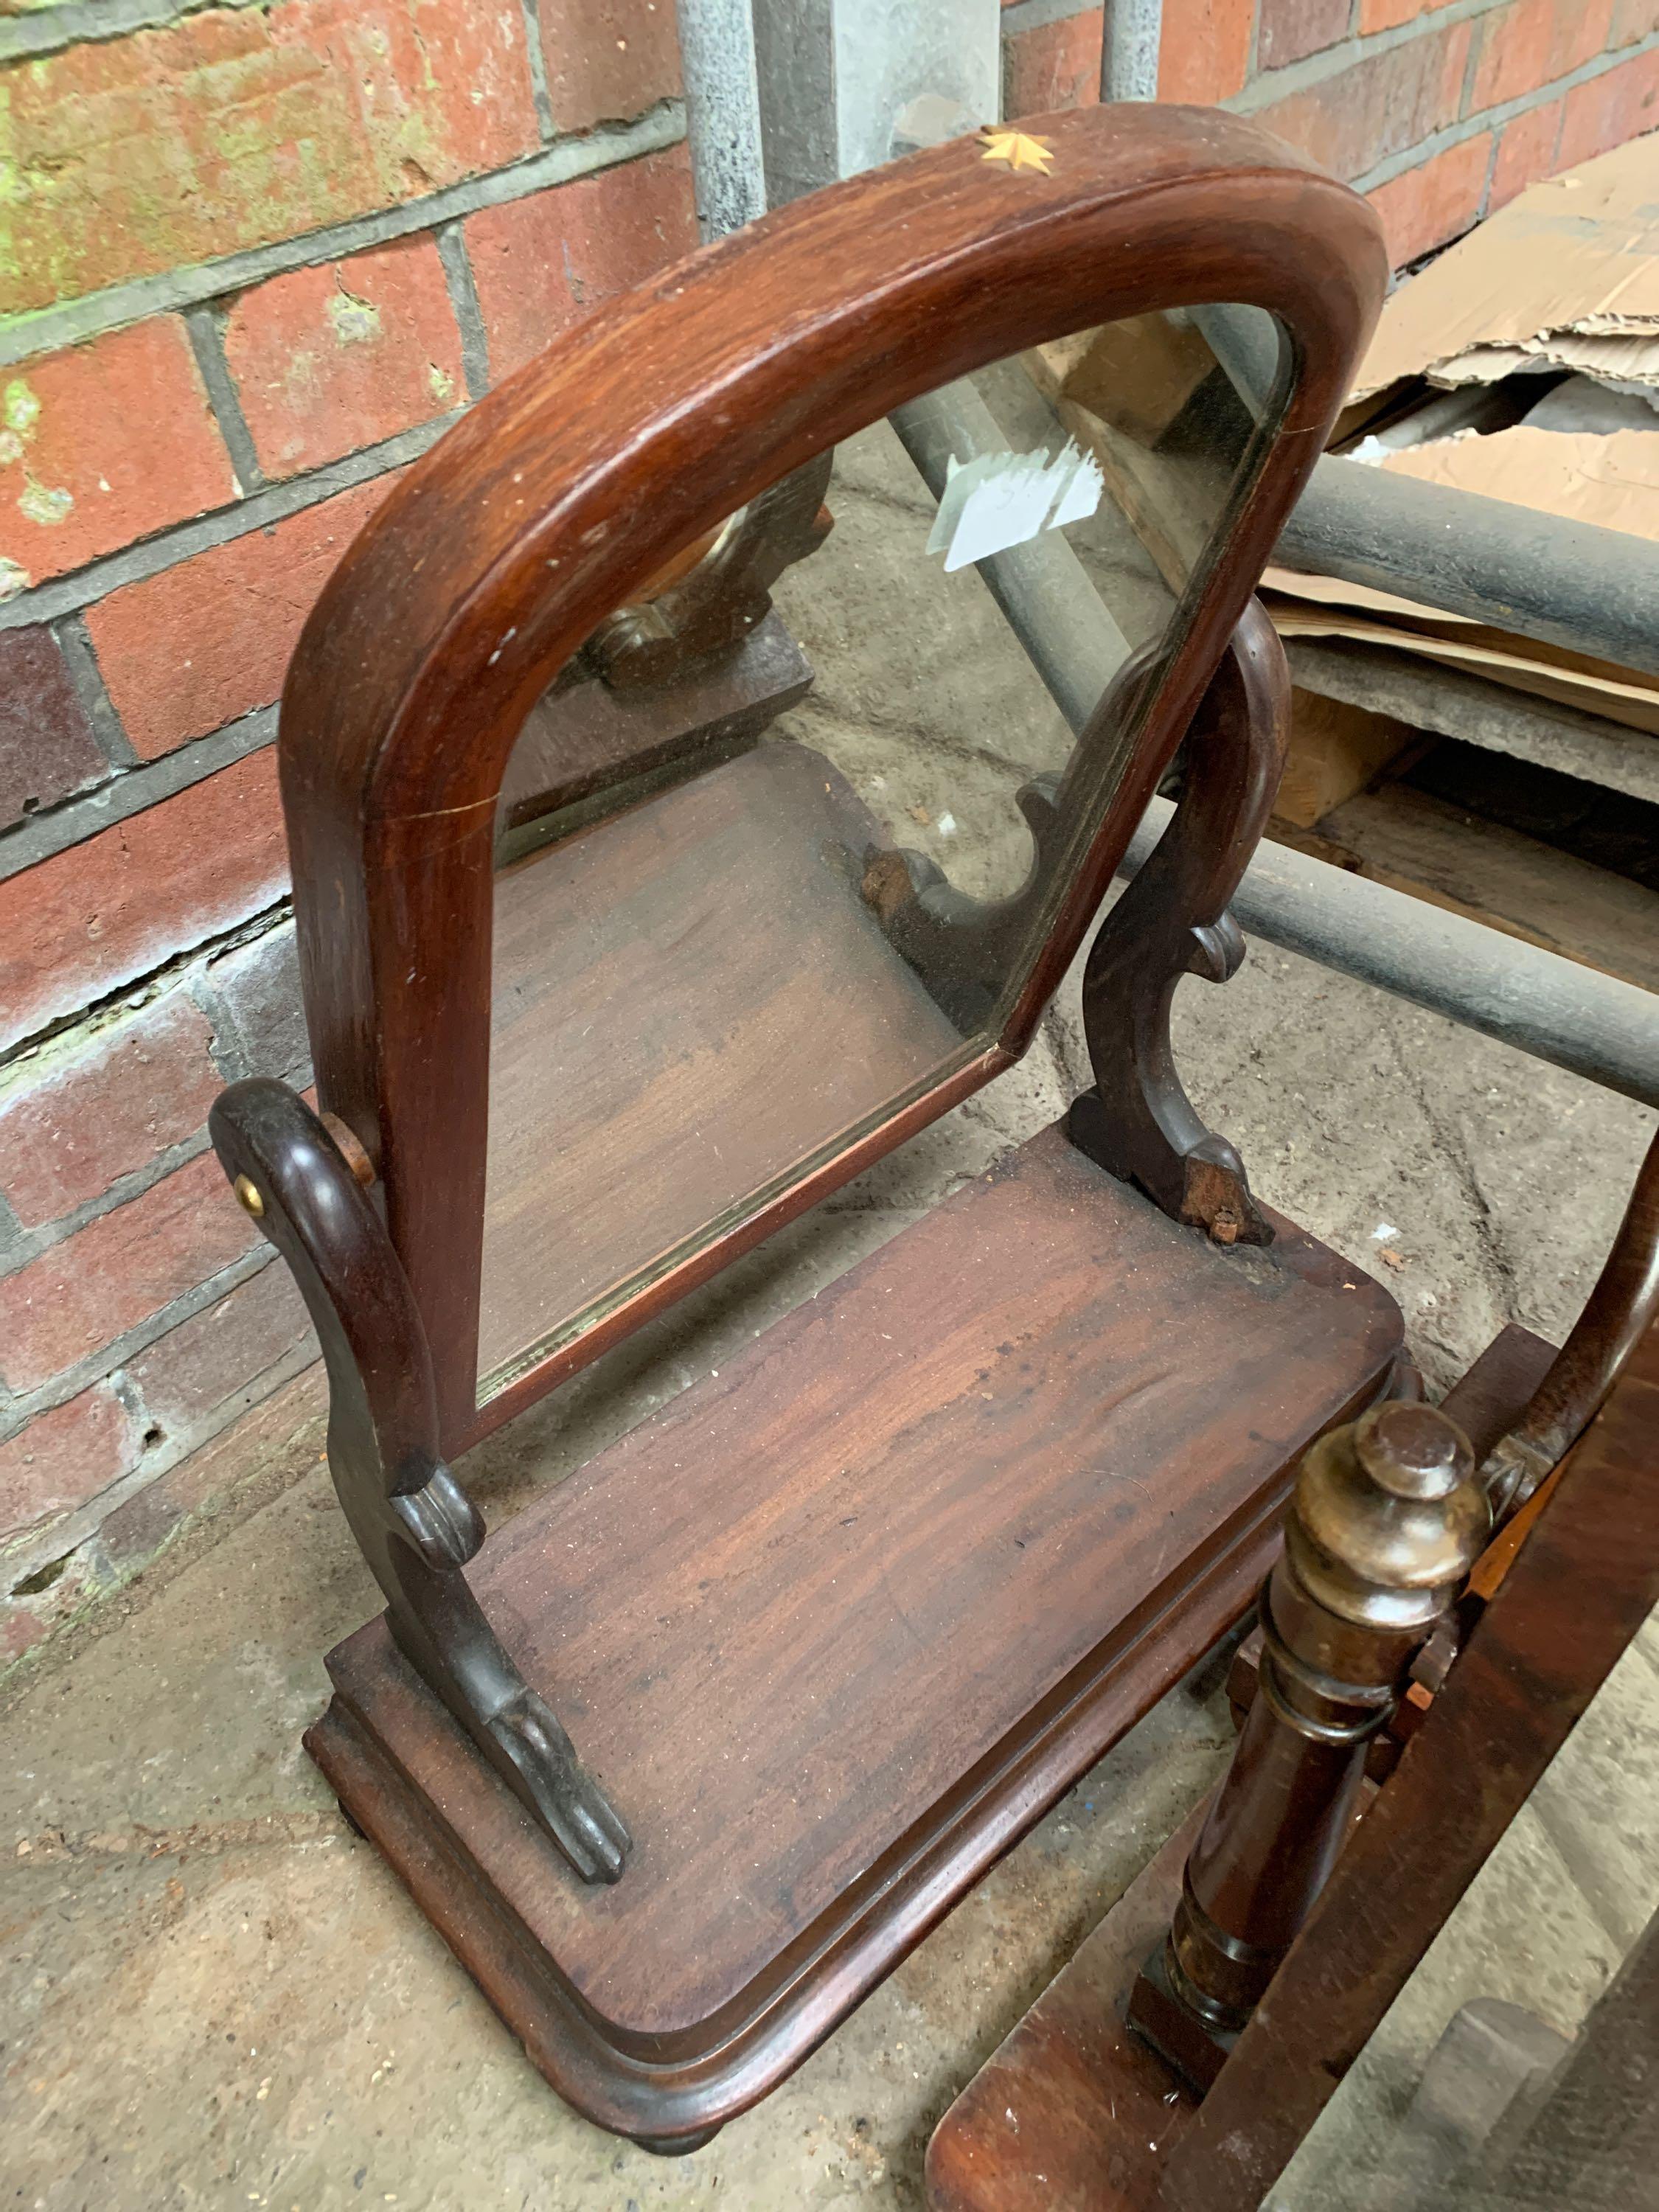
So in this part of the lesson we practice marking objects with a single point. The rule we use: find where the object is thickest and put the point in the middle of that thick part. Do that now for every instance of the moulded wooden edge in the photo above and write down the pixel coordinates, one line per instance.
(685, 2099)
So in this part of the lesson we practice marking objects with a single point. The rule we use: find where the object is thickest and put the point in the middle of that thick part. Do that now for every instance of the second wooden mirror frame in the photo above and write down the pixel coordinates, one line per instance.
(835, 1628)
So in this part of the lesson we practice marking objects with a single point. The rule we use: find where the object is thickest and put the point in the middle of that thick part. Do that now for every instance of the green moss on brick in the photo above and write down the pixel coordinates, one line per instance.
(239, 126)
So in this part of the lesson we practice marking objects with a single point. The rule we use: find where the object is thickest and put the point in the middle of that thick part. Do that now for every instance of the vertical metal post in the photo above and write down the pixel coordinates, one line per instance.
(722, 99)
(846, 84)
(1130, 38)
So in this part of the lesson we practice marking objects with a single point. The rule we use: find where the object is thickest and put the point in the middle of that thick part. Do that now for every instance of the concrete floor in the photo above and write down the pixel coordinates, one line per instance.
(214, 1995)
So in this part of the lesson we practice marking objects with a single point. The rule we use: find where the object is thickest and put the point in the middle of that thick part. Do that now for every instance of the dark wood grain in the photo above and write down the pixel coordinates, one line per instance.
(1174, 921)
(1385, 1522)
(560, 496)
(1496, 1387)
(839, 1623)
(1073, 2112)
(1488, 1399)
(1583, 1584)
(836, 1627)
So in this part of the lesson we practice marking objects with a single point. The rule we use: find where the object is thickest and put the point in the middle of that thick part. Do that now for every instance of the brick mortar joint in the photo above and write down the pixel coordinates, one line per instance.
(100, 22)
(29, 1245)
(1037, 15)
(536, 54)
(129, 788)
(179, 541)
(205, 326)
(450, 242)
(1498, 119)
(80, 1533)
(86, 679)
(1311, 70)
(109, 1003)
(106, 1362)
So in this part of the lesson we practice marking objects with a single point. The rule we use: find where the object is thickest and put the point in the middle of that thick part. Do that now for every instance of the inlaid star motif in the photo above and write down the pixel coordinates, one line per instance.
(1018, 151)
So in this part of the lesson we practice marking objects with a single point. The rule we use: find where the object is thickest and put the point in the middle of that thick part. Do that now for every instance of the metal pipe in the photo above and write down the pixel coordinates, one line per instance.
(1592, 1023)
(845, 83)
(723, 115)
(1571, 584)
(1042, 589)
(1130, 36)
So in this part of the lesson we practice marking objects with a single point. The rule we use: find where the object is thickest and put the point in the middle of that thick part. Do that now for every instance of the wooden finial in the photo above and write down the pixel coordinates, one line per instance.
(1385, 1523)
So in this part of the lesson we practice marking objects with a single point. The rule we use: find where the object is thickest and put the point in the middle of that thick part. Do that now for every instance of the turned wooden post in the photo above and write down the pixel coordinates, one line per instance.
(1386, 1521)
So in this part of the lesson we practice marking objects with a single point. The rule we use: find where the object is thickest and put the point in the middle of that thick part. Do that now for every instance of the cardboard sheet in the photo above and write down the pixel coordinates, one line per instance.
(1322, 609)
(1610, 480)
(1567, 275)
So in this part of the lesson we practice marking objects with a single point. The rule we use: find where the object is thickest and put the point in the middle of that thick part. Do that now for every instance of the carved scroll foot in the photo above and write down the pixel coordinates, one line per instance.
(415, 1525)
(1172, 920)
(1206, 1187)
(569, 1803)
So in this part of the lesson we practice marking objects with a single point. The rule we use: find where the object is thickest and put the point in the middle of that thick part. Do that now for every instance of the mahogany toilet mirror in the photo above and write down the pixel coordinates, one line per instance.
(636, 917)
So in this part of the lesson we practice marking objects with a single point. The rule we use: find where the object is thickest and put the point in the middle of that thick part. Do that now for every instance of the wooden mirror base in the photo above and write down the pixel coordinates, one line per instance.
(839, 1624)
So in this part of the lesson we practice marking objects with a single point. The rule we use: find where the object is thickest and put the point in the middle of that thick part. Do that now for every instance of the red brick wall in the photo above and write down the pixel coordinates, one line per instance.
(255, 259)
(1438, 110)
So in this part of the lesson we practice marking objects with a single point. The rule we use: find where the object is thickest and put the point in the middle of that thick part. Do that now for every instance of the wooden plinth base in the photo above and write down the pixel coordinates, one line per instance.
(839, 1624)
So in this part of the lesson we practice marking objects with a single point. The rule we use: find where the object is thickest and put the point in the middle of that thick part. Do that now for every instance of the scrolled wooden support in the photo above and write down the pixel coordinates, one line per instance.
(1172, 920)
(415, 1523)
(1616, 1315)
(1385, 1523)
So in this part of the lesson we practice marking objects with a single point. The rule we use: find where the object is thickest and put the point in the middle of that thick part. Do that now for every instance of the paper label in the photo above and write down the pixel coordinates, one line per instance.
(1005, 499)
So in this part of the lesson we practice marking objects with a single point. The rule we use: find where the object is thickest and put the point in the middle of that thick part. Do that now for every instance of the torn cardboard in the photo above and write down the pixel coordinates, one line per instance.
(1565, 277)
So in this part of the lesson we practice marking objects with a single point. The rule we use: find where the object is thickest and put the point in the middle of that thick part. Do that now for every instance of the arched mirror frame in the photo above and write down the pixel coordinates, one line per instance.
(555, 499)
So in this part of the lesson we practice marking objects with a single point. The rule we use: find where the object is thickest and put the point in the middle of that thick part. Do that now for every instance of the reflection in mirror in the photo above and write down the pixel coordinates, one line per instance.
(779, 848)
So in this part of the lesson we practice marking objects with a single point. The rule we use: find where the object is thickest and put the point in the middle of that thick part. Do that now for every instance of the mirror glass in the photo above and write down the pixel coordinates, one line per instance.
(778, 850)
